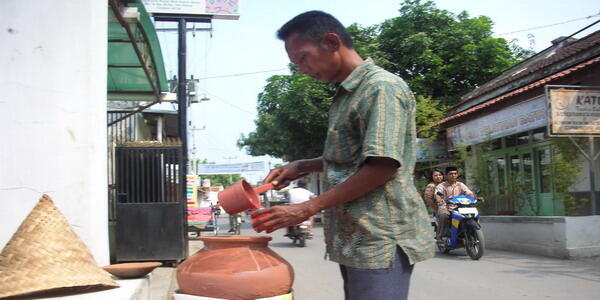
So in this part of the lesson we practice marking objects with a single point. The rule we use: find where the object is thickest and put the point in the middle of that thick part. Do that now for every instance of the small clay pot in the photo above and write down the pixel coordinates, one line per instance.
(235, 267)
(131, 270)
(241, 196)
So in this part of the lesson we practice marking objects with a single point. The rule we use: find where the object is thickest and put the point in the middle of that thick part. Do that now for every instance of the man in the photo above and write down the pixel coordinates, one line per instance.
(375, 222)
(444, 191)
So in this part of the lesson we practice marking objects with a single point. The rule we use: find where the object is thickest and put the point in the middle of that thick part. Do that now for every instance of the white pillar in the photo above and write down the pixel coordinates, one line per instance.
(53, 105)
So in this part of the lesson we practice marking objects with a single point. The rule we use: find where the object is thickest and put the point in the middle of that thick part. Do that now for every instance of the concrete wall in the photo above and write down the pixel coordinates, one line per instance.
(565, 237)
(583, 236)
(53, 104)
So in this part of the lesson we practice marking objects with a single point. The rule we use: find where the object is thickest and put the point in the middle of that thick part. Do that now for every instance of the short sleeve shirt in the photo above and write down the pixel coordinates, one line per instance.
(451, 190)
(373, 115)
(299, 195)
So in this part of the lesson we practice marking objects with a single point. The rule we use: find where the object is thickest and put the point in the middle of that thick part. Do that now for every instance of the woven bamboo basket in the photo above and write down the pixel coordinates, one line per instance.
(46, 255)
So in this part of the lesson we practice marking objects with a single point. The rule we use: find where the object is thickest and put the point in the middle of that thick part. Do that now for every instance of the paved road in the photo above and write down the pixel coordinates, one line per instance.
(498, 275)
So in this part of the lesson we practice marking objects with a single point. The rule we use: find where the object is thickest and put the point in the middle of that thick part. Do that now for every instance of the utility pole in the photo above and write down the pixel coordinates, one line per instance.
(182, 96)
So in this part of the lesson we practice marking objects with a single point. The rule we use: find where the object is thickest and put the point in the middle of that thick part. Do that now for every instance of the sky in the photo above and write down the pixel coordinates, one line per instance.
(235, 61)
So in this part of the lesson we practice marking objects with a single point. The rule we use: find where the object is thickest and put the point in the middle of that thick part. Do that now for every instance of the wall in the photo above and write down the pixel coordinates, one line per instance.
(53, 100)
(564, 237)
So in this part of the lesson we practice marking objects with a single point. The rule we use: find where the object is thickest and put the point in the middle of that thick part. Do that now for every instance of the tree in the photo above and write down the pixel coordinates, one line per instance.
(292, 118)
(442, 55)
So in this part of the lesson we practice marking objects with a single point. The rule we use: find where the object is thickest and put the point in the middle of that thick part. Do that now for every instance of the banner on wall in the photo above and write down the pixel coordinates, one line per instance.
(217, 9)
(238, 168)
(574, 110)
(521, 117)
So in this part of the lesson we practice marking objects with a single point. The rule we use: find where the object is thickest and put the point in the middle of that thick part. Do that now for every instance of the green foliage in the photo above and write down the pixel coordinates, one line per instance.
(292, 121)
(566, 164)
(442, 55)
(565, 169)
(222, 180)
(428, 112)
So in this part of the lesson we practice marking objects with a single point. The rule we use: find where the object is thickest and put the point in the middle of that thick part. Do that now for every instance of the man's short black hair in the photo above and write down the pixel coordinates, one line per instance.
(301, 183)
(451, 168)
(313, 25)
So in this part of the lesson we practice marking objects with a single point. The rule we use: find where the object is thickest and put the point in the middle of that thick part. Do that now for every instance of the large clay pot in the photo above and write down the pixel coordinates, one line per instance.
(235, 267)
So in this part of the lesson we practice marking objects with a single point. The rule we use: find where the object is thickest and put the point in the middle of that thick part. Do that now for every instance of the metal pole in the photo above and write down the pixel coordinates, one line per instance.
(592, 177)
(182, 107)
(182, 98)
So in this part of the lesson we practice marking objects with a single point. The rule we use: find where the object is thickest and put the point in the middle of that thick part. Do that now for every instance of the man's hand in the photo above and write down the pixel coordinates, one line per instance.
(282, 176)
(280, 216)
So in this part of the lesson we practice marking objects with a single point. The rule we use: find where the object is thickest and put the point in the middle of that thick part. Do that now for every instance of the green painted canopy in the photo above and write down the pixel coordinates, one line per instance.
(132, 76)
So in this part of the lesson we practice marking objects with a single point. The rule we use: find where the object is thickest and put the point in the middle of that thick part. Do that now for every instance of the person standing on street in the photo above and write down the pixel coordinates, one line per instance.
(375, 222)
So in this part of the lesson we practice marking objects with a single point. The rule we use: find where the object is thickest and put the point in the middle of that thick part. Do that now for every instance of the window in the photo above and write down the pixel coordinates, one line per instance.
(527, 171)
(539, 135)
(501, 170)
(545, 170)
(517, 139)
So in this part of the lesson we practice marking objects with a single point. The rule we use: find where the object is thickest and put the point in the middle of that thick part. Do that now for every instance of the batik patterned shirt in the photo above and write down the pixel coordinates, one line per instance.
(373, 115)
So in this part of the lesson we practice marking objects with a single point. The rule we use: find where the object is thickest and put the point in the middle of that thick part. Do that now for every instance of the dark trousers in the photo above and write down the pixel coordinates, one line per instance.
(378, 284)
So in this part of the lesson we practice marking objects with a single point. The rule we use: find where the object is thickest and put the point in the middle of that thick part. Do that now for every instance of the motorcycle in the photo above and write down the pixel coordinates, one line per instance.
(299, 233)
(464, 229)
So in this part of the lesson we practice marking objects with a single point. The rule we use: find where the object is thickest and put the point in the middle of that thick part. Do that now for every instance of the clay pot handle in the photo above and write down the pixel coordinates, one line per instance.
(263, 188)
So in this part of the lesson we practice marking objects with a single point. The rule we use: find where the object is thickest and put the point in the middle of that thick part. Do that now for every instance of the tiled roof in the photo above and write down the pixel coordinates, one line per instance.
(530, 86)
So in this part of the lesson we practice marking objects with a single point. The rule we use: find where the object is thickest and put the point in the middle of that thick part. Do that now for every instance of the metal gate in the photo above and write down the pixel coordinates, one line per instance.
(150, 207)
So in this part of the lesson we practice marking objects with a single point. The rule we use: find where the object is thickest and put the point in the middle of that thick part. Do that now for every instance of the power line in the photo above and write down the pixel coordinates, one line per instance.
(242, 74)
(550, 25)
(231, 104)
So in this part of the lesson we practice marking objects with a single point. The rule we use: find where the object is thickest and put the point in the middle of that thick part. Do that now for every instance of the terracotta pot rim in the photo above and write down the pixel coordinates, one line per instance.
(236, 238)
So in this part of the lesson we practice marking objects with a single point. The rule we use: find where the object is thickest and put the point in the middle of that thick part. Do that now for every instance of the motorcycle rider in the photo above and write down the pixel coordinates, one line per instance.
(444, 191)
(298, 195)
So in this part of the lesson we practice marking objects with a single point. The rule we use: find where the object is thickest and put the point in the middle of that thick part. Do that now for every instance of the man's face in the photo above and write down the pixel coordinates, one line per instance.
(452, 176)
(316, 60)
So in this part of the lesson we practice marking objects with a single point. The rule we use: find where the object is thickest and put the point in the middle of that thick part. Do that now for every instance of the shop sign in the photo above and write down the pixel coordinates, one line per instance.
(218, 9)
(574, 110)
(191, 189)
(521, 117)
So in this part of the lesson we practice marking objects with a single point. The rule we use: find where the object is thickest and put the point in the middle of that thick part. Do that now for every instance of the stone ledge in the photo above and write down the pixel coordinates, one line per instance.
(130, 289)
(522, 219)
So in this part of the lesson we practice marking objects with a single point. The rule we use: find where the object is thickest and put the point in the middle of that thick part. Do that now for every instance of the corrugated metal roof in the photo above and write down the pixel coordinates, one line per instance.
(132, 76)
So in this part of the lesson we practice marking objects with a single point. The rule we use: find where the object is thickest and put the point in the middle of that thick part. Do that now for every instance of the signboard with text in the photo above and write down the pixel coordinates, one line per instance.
(574, 110)
(520, 117)
(218, 9)
(209, 169)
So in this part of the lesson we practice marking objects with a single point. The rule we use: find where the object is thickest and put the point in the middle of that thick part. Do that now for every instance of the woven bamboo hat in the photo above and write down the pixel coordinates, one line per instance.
(45, 254)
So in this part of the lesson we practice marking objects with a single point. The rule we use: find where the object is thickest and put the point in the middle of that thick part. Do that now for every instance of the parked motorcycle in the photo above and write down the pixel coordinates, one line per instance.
(299, 233)
(464, 229)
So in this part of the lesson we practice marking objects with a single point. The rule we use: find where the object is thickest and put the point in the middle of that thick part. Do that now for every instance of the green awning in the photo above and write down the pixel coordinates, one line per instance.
(132, 76)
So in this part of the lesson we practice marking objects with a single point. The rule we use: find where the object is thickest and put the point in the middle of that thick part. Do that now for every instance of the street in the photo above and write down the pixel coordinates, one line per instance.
(498, 275)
